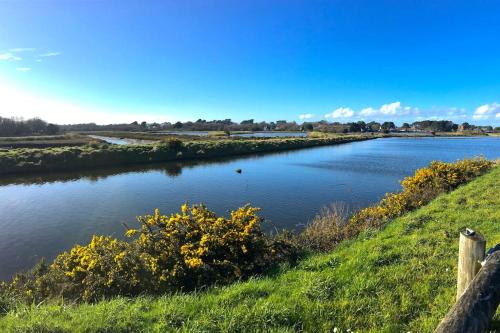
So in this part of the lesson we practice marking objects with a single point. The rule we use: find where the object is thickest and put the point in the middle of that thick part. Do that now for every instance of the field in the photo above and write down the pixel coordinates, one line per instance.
(399, 279)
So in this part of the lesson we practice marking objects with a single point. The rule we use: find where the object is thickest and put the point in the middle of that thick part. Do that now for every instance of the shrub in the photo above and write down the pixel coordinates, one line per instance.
(196, 247)
(103, 268)
(327, 229)
(183, 251)
(174, 143)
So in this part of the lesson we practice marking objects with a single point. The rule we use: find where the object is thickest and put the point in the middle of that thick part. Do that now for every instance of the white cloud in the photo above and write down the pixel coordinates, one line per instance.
(368, 111)
(23, 69)
(394, 109)
(390, 109)
(9, 57)
(486, 110)
(340, 113)
(17, 103)
(306, 116)
(50, 54)
(22, 49)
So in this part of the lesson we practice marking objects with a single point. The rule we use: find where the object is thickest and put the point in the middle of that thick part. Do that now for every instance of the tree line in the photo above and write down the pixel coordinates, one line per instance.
(36, 126)
(20, 127)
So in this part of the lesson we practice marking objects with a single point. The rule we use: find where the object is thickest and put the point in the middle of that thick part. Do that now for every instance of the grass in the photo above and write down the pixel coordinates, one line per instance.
(399, 279)
(45, 141)
(87, 157)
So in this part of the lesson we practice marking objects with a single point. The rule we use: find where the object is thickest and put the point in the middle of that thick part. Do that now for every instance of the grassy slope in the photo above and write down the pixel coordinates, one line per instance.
(399, 279)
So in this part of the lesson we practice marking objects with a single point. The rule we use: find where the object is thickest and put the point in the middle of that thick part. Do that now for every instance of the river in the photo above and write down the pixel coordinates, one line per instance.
(42, 215)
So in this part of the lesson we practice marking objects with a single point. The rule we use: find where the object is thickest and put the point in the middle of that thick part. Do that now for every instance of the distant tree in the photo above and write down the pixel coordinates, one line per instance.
(144, 124)
(178, 125)
(52, 129)
(247, 122)
(405, 126)
(466, 126)
(373, 126)
(362, 125)
(388, 125)
(308, 127)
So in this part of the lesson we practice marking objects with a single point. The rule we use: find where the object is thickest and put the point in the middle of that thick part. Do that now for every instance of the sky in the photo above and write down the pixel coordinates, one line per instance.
(110, 61)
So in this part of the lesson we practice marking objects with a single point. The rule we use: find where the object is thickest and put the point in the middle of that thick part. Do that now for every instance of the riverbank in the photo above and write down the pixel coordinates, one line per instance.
(399, 279)
(99, 155)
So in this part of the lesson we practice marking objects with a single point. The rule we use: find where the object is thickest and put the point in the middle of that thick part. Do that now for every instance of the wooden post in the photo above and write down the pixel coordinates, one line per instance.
(470, 254)
(474, 310)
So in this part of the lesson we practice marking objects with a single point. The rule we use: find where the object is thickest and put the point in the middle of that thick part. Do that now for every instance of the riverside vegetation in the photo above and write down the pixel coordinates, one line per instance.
(194, 249)
(98, 155)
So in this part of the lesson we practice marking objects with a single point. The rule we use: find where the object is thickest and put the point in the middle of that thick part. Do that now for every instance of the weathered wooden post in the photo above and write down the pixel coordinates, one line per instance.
(470, 254)
(472, 313)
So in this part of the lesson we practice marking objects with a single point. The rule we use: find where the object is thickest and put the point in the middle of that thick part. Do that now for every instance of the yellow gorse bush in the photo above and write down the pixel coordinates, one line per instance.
(182, 251)
(104, 267)
(196, 247)
(419, 189)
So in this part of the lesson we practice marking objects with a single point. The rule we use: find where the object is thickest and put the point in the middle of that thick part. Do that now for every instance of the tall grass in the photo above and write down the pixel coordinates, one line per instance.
(327, 229)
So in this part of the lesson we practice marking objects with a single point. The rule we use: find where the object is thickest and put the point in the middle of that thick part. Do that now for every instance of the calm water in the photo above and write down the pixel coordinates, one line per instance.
(44, 215)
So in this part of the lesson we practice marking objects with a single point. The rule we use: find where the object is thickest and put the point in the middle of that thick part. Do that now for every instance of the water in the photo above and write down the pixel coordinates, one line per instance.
(120, 141)
(272, 134)
(40, 216)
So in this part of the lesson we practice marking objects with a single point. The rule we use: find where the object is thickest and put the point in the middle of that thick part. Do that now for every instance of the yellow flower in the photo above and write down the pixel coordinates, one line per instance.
(130, 232)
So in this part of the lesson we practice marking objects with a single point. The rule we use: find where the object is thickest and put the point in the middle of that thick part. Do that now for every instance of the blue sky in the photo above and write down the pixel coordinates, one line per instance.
(119, 61)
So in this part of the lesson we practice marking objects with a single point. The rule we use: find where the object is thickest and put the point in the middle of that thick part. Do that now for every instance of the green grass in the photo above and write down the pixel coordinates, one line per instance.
(399, 279)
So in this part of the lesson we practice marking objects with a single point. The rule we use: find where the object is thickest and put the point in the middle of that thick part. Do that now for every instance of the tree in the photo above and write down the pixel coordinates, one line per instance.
(466, 126)
(307, 127)
(178, 125)
(362, 125)
(52, 129)
(373, 126)
(388, 125)
(405, 126)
